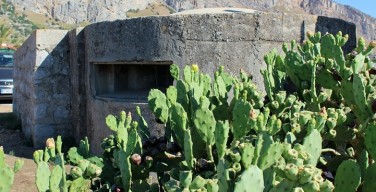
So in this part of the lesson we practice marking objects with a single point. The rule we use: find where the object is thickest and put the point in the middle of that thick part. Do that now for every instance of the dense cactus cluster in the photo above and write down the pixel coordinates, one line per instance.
(51, 169)
(314, 130)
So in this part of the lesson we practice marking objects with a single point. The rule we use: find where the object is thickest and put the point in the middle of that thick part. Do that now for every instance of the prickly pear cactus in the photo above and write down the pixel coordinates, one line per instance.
(370, 139)
(42, 176)
(319, 110)
(348, 176)
(158, 104)
(6, 172)
(266, 151)
(313, 146)
(251, 177)
(369, 179)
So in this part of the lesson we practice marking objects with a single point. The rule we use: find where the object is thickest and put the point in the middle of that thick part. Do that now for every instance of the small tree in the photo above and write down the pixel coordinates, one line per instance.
(5, 32)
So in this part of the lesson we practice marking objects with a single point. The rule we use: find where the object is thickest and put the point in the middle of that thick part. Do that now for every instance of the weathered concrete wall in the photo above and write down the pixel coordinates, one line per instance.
(42, 86)
(78, 71)
(235, 40)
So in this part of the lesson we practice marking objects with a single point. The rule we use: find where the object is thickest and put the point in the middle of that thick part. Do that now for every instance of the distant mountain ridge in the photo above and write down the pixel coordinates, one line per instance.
(75, 12)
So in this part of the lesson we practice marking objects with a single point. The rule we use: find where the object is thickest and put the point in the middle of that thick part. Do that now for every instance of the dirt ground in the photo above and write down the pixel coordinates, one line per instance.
(14, 143)
(24, 180)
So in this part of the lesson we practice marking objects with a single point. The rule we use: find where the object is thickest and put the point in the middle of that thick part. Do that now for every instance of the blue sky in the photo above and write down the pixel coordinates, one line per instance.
(366, 6)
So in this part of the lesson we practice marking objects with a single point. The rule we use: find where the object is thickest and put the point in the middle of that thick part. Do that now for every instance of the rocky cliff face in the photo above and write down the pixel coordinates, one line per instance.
(76, 11)
(366, 24)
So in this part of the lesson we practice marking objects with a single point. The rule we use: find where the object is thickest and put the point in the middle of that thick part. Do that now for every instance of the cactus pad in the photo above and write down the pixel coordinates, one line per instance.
(347, 177)
(253, 176)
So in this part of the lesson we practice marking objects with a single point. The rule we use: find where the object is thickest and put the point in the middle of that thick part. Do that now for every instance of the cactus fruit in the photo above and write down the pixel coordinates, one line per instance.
(284, 186)
(327, 186)
(76, 172)
(93, 170)
(212, 185)
(305, 175)
(197, 183)
(292, 172)
(185, 178)
(348, 176)
(250, 177)
(80, 184)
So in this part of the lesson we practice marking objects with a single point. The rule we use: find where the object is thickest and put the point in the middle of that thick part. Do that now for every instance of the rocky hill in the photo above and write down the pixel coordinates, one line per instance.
(73, 13)
(366, 24)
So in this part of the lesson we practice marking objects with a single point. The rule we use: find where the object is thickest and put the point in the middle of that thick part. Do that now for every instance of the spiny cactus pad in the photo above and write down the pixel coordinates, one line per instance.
(370, 139)
(253, 176)
(347, 177)
(312, 144)
(370, 178)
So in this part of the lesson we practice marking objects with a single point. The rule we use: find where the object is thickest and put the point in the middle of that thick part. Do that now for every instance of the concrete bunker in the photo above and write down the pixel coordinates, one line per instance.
(67, 82)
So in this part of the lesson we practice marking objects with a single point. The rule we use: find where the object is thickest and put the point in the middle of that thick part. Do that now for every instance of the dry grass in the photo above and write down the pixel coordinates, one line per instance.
(157, 8)
(5, 20)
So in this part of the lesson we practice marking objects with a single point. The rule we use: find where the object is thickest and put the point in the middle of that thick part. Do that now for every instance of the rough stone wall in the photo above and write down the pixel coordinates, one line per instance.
(23, 94)
(58, 70)
(42, 86)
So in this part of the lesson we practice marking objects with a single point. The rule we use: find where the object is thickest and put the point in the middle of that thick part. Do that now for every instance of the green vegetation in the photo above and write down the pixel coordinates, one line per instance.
(5, 32)
(23, 22)
(156, 8)
(6, 172)
(314, 130)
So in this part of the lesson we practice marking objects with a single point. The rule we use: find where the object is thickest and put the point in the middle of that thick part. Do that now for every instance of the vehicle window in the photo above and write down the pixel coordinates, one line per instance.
(6, 60)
